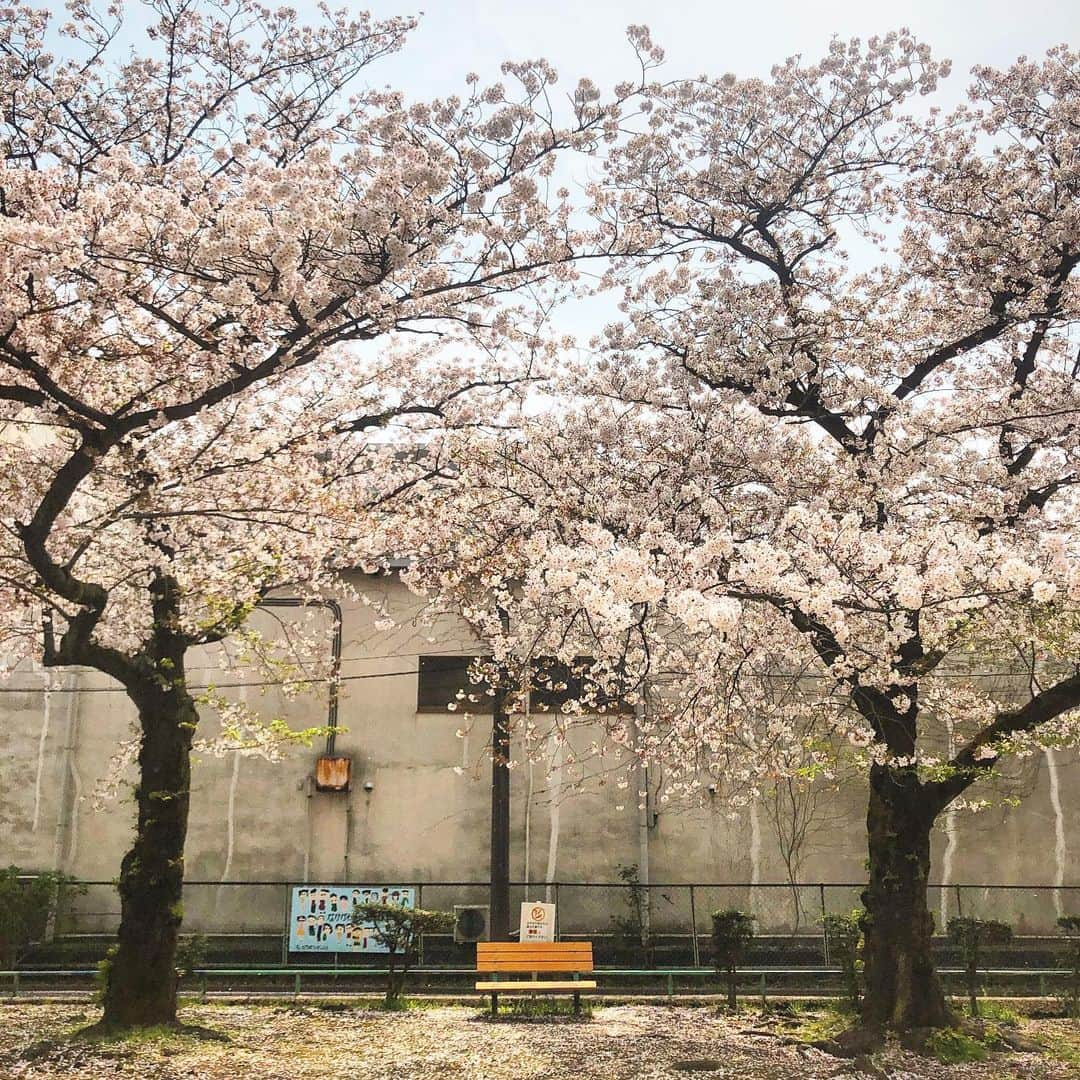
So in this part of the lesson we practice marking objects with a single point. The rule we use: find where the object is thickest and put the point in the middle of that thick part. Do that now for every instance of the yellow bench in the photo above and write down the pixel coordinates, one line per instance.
(534, 957)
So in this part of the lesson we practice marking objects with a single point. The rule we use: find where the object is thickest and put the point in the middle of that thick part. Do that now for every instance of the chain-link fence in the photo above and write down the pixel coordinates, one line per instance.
(631, 924)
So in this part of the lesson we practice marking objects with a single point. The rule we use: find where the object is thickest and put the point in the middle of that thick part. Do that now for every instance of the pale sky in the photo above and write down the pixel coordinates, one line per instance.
(586, 37)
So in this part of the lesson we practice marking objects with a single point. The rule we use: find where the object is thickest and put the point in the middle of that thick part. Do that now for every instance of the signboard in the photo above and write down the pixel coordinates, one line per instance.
(537, 922)
(320, 916)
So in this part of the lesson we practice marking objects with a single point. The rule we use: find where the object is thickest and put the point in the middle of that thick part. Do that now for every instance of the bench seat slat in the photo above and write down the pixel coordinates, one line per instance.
(535, 946)
(524, 957)
(534, 987)
(555, 948)
(535, 965)
(533, 954)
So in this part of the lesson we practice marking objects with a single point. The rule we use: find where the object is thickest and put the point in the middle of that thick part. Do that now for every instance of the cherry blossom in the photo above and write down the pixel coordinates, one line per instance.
(854, 474)
(241, 299)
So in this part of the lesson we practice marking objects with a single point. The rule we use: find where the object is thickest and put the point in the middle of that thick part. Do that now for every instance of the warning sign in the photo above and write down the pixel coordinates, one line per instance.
(537, 922)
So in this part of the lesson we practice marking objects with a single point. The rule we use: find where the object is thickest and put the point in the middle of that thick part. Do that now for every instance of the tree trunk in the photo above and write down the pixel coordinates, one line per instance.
(902, 989)
(391, 978)
(142, 981)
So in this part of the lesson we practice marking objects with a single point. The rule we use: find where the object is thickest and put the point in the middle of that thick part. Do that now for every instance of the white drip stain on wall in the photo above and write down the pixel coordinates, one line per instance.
(951, 841)
(230, 823)
(555, 771)
(1060, 847)
(230, 814)
(755, 849)
(43, 737)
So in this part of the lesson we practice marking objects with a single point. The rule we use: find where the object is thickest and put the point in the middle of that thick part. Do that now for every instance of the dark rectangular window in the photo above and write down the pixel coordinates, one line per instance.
(442, 678)
(555, 684)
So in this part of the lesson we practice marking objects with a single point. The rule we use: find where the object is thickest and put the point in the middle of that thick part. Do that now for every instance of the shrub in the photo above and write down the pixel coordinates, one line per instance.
(844, 941)
(1070, 927)
(399, 929)
(632, 929)
(27, 904)
(971, 935)
(190, 954)
(103, 972)
(732, 932)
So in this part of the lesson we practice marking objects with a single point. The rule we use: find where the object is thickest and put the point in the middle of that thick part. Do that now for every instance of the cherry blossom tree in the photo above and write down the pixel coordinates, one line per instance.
(787, 461)
(196, 241)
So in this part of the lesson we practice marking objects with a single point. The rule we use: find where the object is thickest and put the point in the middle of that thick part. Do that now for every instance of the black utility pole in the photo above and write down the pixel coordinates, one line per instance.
(500, 809)
(500, 821)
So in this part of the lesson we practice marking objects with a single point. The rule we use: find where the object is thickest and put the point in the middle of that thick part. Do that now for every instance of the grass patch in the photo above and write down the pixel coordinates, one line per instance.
(743, 1008)
(401, 1004)
(821, 1022)
(524, 1008)
(999, 1012)
(111, 1042)
(391, 1005)
(952, 1047)
(1062, 1046)
(156, 1035)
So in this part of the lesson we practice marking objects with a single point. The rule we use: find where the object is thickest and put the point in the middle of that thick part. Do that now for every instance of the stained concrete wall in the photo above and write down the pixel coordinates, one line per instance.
(425, 817)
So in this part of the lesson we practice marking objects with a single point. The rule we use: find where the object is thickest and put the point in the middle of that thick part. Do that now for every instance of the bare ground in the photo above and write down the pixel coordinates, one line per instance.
(619, 1042)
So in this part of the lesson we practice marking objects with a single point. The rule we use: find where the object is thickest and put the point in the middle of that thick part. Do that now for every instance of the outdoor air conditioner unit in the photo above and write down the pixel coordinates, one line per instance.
(472, 922)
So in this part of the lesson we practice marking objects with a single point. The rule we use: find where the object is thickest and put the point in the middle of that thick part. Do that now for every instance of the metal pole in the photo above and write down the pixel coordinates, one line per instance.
(420, 941)
(693, 929)
(500, 810)
(288, 928)
(642, 780)
(824, 935)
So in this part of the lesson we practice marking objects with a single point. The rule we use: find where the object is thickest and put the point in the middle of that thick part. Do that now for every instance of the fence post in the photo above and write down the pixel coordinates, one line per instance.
(296, 985)
(285, 922)
(959, 905)
(557, 911)
(693, 929)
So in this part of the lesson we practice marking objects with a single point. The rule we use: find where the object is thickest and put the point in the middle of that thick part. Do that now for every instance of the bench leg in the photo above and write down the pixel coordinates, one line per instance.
(577, 1004)
(494, 1004)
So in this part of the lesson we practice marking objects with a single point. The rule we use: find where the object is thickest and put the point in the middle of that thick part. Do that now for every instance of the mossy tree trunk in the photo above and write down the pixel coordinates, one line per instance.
(141, 983)
(902, 988)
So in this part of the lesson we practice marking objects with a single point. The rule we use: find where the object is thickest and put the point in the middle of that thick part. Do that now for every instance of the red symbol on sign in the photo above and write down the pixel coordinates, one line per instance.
(538, 914)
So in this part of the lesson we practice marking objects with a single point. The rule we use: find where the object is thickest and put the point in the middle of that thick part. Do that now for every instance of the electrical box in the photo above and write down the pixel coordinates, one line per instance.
(333, 773)
(472, 922)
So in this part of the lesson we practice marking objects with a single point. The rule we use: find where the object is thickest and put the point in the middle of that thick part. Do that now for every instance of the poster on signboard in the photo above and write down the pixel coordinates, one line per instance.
(320, 916)
(537, 922)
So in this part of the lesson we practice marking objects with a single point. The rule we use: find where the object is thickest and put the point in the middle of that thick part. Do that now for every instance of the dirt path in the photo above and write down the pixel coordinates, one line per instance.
(626, 1042)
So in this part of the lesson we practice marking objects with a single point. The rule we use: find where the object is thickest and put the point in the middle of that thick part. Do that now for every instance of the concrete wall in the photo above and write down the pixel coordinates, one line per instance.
(425, 817)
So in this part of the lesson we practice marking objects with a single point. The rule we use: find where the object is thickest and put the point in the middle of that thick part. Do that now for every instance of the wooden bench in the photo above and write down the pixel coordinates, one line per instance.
(536, 957)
